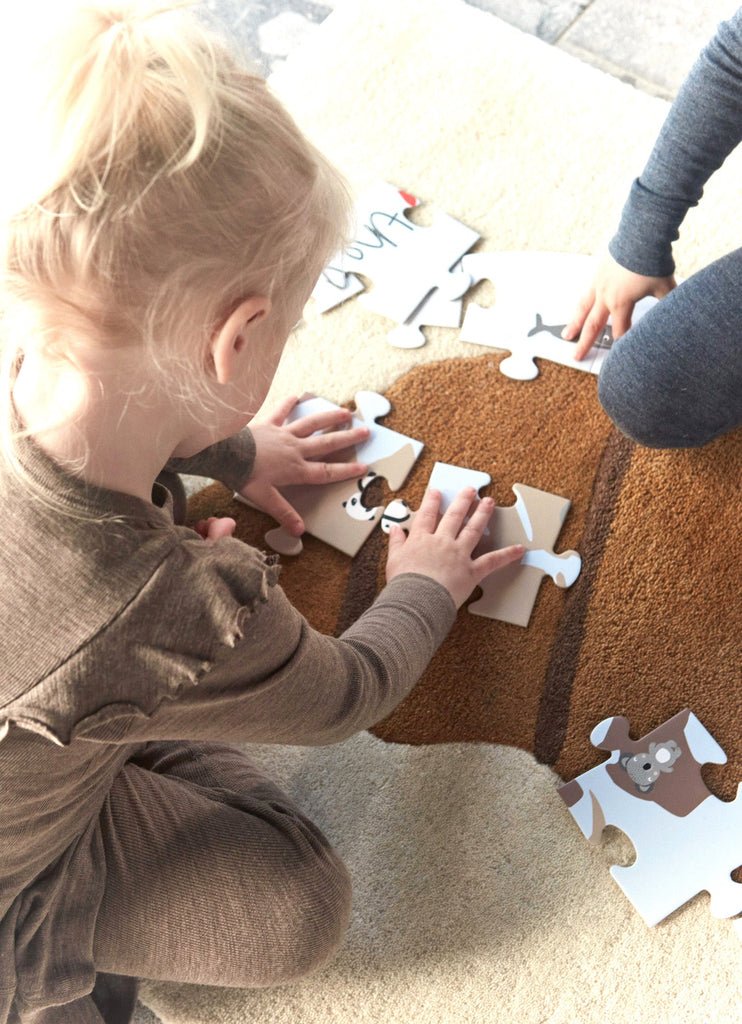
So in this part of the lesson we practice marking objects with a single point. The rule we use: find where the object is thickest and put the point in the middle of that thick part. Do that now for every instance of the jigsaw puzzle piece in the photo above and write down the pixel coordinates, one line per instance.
(687, 840)
(535, 520)
(405, 261)
(396, 451)
(536, 295)
(334, 287)
(435, 311)
(444, 477)
(336, 513)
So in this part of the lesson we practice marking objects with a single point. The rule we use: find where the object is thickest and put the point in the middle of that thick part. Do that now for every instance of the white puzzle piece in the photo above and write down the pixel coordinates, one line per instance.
(335, 287)
(336, 513)
(444, 477)
(435, 311)
(686, 839)
(404, 261)
(536, 295)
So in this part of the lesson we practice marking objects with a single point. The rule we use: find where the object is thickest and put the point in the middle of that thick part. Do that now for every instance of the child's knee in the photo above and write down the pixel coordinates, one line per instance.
(312, 914)
(325, 914)
(639, 403)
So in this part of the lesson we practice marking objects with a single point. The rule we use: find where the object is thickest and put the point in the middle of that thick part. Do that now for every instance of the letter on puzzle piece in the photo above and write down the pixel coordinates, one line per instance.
(404, 261)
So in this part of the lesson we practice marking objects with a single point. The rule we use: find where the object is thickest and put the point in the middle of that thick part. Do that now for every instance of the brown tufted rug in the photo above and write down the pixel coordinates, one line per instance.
(652, 623)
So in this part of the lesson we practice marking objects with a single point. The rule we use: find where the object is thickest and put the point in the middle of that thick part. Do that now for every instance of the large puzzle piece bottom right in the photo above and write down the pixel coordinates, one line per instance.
(686, 840)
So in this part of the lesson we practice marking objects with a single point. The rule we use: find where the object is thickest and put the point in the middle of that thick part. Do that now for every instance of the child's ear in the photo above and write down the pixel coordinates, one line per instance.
(230, 341)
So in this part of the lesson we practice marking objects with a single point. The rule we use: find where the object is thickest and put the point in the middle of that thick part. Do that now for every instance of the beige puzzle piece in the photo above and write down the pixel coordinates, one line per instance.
(335, 513)
(535, 520)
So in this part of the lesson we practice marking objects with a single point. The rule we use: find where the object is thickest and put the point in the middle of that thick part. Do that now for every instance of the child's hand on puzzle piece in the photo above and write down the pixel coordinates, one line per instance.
(614, 294)
(442, 548)
(215, 527)
(293, 453)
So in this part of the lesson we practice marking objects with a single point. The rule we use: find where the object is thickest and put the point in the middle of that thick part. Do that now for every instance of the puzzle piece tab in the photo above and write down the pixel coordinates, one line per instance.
(404, 261)
(336, 513)
(536, 294)
(535, 521)
(686, 839)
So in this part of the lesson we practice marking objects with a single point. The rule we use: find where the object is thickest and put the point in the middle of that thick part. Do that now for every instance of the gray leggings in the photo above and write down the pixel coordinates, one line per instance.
(675, 379)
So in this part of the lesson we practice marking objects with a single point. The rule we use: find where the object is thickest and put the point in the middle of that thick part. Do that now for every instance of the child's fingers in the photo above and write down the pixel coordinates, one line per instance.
(454, 516)
(426, 518)
(574, 327)
(331, 419)
(494, 560)
(216, 528)
(621, 319)
(274, 503)
(332, 472)
(282, 410)
(397, 538)
(596, 320)
(473, 530)
(327, 444)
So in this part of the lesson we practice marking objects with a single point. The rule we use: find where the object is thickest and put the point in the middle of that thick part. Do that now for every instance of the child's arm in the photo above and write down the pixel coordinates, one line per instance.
(230, 658)
(702, 127)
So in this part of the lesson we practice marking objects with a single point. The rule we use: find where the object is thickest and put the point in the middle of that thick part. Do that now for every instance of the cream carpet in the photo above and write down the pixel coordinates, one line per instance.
(476, 897)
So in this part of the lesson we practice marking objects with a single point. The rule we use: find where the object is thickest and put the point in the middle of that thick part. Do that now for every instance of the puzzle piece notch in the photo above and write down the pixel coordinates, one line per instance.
(532, 284)
(405, 261)
(687, 840)
(535, 520)
(335, 513)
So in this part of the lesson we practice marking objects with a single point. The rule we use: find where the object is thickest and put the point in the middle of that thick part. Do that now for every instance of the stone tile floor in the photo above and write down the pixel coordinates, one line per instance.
(649, 44)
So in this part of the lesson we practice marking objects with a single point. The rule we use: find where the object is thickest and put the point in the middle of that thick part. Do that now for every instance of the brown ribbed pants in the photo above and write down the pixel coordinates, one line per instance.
(213, 877)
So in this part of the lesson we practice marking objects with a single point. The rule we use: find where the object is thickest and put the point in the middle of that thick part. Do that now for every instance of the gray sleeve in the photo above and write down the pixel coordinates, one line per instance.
(229, 461)
(702, 127)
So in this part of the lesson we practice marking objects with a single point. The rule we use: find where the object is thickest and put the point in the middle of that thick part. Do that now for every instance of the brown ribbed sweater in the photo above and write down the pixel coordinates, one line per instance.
(120, 631)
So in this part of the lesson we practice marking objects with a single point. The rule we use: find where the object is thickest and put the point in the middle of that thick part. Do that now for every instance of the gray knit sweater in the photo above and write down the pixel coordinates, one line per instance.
(702, 128)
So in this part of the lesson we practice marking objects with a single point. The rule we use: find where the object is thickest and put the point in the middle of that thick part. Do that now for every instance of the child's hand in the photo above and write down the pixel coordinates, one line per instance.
(214, 527)
(443, 549)
(614, 293)
(287, 453)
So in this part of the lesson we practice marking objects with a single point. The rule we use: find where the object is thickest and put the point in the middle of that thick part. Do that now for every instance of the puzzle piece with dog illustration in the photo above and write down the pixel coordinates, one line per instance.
(335, 512)
(686, 839)
(405, 261)
(535, 520)
(536, 294)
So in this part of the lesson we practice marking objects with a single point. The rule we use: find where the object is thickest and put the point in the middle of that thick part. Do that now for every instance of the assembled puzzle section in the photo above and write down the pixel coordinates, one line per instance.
(406, 262)
(686, 840)
(535, 520)
(536, 295)
(336, 513)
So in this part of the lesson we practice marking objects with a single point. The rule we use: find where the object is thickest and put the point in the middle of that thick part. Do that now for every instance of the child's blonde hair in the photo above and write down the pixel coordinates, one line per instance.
(158, 183)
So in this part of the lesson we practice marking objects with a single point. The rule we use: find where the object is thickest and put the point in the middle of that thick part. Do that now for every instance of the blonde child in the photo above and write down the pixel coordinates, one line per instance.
(162, 229)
